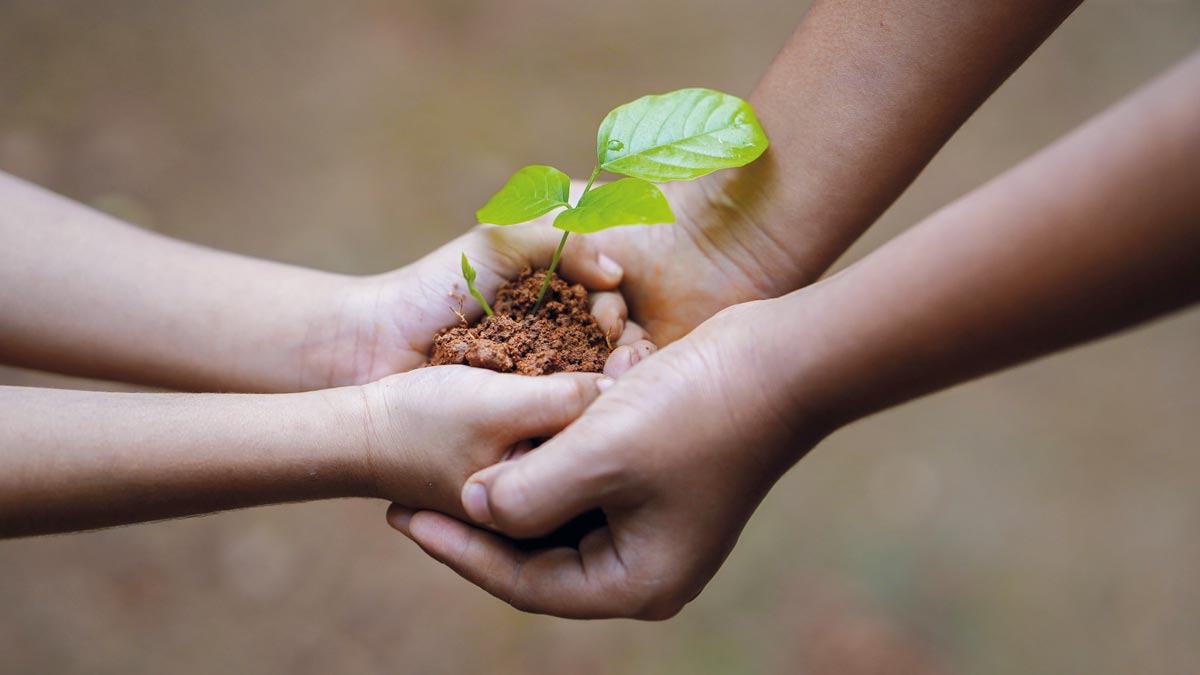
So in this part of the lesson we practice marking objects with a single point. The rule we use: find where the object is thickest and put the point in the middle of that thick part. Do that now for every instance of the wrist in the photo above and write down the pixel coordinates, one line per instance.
(348, 442)
(326, 345)
(270, 329)
(825, 369)
(746, 220)
(750, 368)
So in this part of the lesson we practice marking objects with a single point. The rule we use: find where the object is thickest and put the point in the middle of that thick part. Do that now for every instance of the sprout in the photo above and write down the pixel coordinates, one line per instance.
(681, 135)
(469, 275)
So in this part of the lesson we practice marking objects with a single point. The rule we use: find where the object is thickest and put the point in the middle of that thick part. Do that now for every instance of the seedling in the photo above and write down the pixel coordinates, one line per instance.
(469, 275)
(681, 135)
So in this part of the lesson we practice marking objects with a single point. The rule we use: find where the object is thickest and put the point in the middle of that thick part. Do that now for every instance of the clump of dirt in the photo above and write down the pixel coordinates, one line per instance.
(563, 337)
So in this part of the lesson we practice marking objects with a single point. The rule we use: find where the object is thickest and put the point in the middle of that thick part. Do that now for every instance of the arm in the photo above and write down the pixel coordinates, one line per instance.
(72, 460)
(858, 101)
(75, 460)
(1097, 233)
(85, 294)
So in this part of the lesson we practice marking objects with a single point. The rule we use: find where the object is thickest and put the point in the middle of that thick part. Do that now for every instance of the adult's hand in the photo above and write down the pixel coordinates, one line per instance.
(1093, 235)
(856, 103)
(678, 453)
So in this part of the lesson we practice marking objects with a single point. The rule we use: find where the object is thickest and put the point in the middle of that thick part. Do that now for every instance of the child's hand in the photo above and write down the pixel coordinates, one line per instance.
(387, 322)
(427, 430)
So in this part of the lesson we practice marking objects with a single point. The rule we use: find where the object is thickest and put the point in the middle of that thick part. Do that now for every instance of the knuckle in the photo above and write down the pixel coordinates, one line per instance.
(582, 250)
(570, 399)
(608, 472)
(510, 503)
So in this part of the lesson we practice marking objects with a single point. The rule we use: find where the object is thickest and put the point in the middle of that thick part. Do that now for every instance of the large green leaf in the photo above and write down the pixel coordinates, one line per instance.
(530, 192)
(629, 201)
(679, 136)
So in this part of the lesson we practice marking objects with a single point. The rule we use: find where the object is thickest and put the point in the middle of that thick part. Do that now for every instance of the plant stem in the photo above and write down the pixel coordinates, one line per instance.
(553, 264)
(562, 242)
(595, 172)
(479, 296)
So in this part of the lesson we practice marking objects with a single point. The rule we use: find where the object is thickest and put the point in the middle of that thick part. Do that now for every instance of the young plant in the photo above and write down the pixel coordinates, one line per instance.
(469, 275)
(680, 135)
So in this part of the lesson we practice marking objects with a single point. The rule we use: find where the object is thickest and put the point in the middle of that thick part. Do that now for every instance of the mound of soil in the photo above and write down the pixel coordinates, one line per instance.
(563, 337)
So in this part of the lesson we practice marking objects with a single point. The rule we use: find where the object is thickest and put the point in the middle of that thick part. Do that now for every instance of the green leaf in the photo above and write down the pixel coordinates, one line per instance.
(629, 201)
(530, 192)
(468, 271)
(680, 135)
(469, 275)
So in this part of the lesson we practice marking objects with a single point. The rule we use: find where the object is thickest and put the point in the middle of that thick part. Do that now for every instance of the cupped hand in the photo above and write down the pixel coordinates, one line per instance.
(386, 323)
(715, 255)
(671, 278)
(426, 431)
(677, 454)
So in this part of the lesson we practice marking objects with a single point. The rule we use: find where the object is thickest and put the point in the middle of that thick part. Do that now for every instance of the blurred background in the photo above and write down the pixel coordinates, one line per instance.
(1046, 520)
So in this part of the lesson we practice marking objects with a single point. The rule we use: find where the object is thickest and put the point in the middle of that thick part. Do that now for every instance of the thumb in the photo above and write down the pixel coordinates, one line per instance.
(534, 494)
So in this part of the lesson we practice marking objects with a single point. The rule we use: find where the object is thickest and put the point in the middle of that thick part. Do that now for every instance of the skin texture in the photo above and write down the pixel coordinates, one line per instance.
(121, 303)
(121, 458)
(1095, 234)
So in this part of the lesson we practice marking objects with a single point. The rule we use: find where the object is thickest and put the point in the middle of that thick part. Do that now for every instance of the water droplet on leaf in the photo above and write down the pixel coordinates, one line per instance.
(615, 145)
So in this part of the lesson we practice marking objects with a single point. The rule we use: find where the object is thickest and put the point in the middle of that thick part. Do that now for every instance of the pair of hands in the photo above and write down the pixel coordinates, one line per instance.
(677, 454)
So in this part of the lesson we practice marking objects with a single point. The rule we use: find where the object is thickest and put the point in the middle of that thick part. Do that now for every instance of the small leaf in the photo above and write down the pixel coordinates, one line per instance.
(468, 271)
(629, 201)
(680, 135)
(530, 192)
(469, 275)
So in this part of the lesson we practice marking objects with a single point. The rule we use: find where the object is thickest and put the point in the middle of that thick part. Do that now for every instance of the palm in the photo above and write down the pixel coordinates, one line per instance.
(389, 321)
(677, 276)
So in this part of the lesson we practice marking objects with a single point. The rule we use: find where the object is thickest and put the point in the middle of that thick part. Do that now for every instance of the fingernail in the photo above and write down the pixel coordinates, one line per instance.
(475, 501)
(610, 267)
(604, 383)
(399, 517)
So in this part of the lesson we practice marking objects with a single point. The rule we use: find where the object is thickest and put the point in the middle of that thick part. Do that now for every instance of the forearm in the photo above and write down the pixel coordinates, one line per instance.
(83, 293)
(73, 460)
(858, 101)
(1096, 233)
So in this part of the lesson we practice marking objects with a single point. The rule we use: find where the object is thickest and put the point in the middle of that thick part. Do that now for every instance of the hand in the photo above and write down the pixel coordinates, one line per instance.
(426, 431)
(672, 277)
(714, 256)
(386, 323)
(678, 454)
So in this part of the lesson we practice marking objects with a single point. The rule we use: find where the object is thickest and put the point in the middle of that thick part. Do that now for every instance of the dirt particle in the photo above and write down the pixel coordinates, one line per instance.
(563, 337)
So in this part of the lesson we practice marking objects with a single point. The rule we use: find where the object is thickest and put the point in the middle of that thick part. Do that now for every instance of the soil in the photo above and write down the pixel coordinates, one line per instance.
(563, 337)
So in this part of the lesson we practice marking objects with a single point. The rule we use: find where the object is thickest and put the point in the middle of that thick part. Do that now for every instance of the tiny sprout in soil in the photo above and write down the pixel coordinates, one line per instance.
(469, 275)
(681, 135)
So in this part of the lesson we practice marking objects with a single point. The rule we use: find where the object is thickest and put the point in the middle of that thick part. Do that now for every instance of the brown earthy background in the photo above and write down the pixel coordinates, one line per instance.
(1046, 520)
